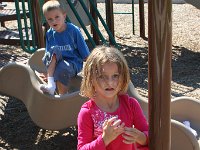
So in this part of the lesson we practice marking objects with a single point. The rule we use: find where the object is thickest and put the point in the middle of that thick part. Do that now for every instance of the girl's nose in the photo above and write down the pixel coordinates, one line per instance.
(110, 80)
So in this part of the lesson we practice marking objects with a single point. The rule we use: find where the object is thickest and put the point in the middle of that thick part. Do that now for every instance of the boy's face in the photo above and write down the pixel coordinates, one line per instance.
(56, 19)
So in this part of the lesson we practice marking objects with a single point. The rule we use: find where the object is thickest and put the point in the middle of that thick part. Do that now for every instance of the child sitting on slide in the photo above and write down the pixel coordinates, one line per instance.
(65, 51)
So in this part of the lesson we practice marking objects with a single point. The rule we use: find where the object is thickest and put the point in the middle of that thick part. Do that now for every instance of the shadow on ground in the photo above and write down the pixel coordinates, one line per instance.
(185, 66)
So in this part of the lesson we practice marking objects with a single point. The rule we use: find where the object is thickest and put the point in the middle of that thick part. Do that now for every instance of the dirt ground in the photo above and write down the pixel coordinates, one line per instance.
(17, 131)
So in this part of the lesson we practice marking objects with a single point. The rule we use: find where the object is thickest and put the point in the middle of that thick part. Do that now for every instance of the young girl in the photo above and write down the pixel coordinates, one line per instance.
(111, 119)
(66, 48)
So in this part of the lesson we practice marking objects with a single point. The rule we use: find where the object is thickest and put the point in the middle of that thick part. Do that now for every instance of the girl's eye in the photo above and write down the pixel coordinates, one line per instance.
(101, 77)
(106, 78)
(116, 76)
(57, 17)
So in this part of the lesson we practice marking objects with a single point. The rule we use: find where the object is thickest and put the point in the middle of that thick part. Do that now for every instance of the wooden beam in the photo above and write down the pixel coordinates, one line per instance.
(110, 18)
(94, 15)
(142, 21)
(160, 52)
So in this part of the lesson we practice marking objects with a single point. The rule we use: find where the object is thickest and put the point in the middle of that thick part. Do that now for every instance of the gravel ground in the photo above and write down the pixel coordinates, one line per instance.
(19, 132)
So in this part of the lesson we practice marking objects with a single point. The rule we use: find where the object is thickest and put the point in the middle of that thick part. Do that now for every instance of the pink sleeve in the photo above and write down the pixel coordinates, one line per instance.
(139, 120)
(85, 133)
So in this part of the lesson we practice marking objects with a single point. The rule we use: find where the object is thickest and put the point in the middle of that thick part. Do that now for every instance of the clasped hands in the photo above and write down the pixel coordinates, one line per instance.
(113, 127)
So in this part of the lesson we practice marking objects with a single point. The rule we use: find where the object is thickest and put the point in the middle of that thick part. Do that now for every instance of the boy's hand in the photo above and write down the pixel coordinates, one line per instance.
(42, 76)
(132, 135)
(112, 128)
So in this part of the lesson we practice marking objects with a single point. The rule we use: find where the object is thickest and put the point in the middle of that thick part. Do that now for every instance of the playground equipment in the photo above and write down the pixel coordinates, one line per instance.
(25, 34)
(110, 16)
(181, 137)
(32, 31)
(80, 12)
(46, 111)
(53, 113)
(132, 13)
(8, 14)
(159, 75)
(159, 69)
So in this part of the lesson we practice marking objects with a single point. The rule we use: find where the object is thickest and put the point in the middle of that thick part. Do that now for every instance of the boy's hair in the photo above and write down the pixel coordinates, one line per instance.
(54, 4)
(93, 69)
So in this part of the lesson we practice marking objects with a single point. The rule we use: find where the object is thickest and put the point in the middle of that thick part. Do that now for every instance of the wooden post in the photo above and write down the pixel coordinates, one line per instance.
(110, 17)
(39, 31)
(160, 51)
(95, 35)
(142, 21)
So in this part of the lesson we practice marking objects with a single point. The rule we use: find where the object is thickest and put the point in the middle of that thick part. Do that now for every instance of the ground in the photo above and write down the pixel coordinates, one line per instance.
(19, 132)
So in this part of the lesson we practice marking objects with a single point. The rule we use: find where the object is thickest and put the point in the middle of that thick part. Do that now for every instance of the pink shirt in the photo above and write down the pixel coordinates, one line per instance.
(91, 119)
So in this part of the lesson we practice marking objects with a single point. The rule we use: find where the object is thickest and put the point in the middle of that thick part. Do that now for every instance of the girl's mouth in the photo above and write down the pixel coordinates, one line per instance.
(109, 89)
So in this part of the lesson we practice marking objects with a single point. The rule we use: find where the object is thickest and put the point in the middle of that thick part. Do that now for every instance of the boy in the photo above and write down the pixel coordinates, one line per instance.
(65, 49)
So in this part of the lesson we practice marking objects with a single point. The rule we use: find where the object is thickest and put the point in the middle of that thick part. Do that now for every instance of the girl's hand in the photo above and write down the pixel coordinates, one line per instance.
(112, 128)
(132, 135)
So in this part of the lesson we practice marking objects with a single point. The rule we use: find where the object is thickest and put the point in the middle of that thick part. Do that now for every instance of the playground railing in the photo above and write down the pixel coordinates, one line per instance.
(25, 39)
(32, 31)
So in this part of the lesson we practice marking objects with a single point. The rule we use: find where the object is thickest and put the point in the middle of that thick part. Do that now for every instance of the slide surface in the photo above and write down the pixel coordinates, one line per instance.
(46, 111)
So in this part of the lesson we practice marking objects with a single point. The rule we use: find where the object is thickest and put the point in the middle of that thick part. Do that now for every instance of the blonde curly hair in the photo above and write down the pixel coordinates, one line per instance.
(93, 69)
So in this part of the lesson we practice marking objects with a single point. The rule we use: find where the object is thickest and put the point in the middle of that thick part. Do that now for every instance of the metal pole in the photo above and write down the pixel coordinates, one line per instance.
(92, 21)
(160, 51)
(81, 23)
(111, 37)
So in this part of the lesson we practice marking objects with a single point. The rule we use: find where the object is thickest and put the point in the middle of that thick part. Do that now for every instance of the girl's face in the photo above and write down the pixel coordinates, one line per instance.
(107, 84)
(56, 19)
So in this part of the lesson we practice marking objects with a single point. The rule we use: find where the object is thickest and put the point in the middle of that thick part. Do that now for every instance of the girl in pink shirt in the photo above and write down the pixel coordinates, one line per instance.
(110, 120)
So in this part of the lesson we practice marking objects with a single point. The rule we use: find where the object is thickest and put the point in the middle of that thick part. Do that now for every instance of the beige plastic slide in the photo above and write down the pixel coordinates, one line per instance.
(48, 112)
(187, 109)
(182, 109)
(182, 138)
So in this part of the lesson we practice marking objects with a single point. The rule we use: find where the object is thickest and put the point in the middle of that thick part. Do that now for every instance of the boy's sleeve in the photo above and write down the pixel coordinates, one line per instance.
(86, 139)
(81, 44)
